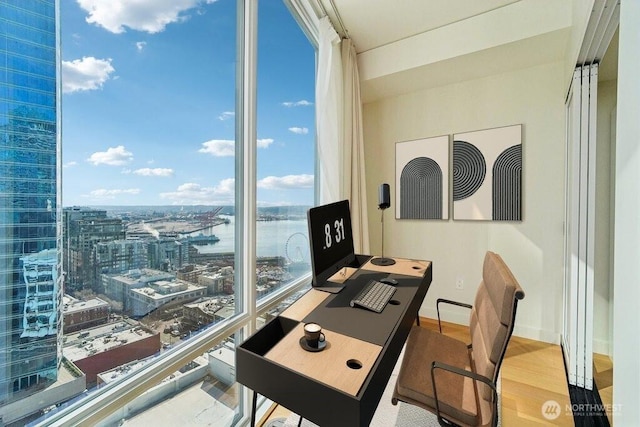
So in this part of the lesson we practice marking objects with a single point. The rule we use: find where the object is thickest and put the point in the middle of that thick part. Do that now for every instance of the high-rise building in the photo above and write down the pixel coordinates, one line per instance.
(30, 262)
(167, 254)
(84, 228)
(120, 256)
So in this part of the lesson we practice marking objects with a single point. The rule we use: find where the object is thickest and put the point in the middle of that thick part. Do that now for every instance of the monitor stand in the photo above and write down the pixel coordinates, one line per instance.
(335, 283)
(383, 261)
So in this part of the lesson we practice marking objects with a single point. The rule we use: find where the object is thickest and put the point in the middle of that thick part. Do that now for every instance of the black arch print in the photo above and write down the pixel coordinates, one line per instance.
(507, 185)
(421, 189)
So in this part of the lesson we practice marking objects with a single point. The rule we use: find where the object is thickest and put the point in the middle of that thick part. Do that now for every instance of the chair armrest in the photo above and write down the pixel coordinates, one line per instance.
(476, 377)
(448, 301)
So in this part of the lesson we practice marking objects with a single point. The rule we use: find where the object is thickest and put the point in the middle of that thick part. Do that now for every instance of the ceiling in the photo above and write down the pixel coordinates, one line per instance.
(374, 23)
(457, 40)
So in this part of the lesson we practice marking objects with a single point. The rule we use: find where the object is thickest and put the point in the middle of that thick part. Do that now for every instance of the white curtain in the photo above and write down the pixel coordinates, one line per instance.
(329, 113)
(354, 182)
(341, 172)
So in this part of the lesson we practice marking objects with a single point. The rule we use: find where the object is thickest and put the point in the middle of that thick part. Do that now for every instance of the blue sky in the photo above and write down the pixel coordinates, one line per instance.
(149, 97)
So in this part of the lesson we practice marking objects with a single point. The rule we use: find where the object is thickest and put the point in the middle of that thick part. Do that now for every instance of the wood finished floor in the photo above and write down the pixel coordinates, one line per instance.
(532, 374)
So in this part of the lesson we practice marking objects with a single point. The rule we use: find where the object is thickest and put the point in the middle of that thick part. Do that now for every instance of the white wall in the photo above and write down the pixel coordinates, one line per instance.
(533, 248)
(626, 317)
(603, 294)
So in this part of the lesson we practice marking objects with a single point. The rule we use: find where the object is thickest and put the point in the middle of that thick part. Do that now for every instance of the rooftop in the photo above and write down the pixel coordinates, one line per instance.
(88, 342)
(166, 289)
(72, 304)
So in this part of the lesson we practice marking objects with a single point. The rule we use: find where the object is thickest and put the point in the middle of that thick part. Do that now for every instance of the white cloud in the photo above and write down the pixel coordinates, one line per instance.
(140, 45)
(218, 147)
(227, 147)
(286, 182)
(151, 16)
(301, 103)
(154, 172)
(226, 187)
(103, 193)
(88, 73)
(264, 142)
(192, 193)
(299, 131)
(226, 115)
(114, 156)
(70, 164)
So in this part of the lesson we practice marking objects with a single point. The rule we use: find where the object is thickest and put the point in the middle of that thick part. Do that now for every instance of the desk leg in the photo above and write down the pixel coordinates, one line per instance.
(253, 408)
(418, 318)
(300, 421)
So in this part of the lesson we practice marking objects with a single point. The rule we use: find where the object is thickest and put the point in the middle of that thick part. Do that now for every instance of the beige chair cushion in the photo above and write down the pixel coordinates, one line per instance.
(456, 394)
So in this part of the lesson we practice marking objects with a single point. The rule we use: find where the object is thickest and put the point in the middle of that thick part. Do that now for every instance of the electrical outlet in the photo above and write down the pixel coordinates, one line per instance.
(459, 284)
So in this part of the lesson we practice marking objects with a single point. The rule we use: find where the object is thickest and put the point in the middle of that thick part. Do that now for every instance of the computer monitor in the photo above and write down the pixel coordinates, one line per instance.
(331, 242)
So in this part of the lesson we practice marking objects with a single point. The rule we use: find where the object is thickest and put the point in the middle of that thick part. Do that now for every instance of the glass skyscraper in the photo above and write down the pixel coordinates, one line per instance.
(30, 263)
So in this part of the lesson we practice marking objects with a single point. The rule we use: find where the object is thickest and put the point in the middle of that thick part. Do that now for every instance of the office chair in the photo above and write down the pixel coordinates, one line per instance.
(456, 381)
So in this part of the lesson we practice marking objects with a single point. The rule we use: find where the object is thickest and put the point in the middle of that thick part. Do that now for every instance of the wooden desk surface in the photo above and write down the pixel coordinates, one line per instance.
(304, 305)
(408, 267)
(328, 366)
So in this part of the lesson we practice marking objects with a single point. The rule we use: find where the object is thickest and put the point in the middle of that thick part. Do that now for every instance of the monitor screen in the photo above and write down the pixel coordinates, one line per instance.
(331, 240)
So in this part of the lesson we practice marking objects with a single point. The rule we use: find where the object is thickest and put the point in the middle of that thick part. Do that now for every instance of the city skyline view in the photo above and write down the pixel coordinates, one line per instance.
(148, 104)
(121, 240)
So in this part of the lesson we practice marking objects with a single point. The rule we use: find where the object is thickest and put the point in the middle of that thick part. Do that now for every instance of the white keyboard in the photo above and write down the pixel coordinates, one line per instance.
(374, 296)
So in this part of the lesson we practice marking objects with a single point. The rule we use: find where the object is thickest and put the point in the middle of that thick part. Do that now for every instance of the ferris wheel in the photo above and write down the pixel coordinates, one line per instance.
(297, 248)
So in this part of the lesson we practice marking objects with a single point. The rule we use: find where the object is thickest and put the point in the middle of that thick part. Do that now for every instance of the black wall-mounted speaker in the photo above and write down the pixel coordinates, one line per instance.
(384, 197)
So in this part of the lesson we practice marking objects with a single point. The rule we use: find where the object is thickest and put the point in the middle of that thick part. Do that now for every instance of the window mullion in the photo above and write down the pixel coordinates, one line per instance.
(245, 275)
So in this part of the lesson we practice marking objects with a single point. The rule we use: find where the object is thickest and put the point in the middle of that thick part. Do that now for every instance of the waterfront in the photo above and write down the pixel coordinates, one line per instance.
(286, 238)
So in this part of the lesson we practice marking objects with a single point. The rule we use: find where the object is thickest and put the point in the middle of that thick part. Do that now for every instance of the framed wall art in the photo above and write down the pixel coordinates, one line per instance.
(487, 174)
(422, 178)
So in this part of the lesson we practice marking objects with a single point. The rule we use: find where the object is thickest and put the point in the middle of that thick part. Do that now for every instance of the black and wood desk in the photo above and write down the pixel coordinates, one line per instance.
(342, 384)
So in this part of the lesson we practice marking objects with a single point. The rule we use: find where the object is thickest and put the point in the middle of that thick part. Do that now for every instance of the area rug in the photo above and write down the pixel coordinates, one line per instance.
(400, 415)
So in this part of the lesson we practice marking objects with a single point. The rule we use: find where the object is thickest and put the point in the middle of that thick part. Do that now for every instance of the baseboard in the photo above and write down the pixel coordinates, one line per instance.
(601, 347)
(461, 317)
(550, 337)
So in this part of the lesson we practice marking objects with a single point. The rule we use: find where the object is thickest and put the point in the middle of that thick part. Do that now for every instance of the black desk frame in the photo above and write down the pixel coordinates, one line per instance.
(292, 389)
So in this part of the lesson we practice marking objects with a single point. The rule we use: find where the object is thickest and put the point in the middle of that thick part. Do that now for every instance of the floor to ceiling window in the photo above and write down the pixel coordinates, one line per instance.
(154, 113)
(285, 146)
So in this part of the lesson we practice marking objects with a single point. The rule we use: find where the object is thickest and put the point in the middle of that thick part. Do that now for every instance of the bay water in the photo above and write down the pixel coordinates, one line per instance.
(286, 238)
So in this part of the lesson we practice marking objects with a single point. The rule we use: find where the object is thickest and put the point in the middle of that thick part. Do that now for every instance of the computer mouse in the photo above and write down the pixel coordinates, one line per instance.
(389, 281)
